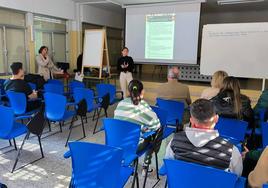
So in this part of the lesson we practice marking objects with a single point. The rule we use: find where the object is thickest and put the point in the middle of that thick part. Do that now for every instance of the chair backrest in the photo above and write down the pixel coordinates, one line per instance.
(83, 93)
(161, 114)
(103, 89)
(54, 81)
(75, 84)
(55, 105)
(7, 120)
(37, 123)
(265, 186)
(122, 134)
(18, 102)
(97, 166)
(2, 89)
(54, 88)
(175, 109)
(232, 128)
(182, 174)
(264, 131)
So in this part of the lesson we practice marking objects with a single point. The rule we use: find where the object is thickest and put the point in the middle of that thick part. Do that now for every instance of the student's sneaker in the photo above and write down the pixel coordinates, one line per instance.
(144, 168)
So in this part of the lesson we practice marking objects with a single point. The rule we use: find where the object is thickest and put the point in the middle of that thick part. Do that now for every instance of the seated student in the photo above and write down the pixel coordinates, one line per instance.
(136, 110)
(201, 144)
(259, 175)
(16, 83)
(216, 84)
(173, 89)
(231, 103)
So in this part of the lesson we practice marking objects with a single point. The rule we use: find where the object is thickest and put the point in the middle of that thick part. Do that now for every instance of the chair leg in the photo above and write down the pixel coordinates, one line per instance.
(166, 184)
(40, 144)
(83, 127)
(49, 125)
(146, 175)
(94, 131)
(15, 145)
(60, 127)
(135, 175)
(10, 143)
(19, 152)
(93, 118)
(106, 114)
(86, 118)
(71, 128)
(156, 164)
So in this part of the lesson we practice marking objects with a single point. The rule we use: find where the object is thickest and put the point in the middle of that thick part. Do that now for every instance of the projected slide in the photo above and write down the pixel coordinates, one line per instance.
(159, 39)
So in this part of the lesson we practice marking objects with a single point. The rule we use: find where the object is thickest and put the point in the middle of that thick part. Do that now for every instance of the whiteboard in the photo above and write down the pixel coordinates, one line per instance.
(93, 48)
(240, 49)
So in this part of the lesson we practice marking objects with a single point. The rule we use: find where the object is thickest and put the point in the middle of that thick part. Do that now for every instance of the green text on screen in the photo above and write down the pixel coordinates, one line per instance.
(159, 40)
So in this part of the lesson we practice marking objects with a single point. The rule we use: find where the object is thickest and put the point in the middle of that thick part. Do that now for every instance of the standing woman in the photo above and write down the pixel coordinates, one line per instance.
(125, 66)
(46, 67)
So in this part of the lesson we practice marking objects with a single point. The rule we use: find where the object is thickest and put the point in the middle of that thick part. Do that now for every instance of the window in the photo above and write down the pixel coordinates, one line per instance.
(12, 40)
(51, 32)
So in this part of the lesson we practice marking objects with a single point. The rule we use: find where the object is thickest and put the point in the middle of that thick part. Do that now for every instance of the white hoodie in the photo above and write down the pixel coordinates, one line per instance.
(199, 138)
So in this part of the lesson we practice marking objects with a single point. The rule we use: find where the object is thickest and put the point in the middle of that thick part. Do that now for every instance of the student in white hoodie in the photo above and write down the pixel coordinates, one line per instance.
(201, 144)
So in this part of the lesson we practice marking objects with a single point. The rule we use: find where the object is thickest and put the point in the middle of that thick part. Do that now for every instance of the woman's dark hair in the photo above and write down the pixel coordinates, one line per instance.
(125, 48)
(135, 88)
(42, 48)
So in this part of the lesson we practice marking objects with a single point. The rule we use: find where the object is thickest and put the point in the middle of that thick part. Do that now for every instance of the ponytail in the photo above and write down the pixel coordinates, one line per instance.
(135, 88)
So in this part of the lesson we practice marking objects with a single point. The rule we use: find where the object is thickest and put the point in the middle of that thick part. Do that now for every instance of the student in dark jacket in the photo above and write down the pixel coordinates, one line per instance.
(125, 66)
(18, 84)
(231, 103)
(202, 144)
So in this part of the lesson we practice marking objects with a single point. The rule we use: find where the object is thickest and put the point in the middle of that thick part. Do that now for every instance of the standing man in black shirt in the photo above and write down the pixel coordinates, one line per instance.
(125, 66)
(16, 83)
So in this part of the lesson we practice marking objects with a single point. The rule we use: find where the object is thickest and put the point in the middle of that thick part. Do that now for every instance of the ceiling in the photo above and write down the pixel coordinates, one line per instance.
(211, 5)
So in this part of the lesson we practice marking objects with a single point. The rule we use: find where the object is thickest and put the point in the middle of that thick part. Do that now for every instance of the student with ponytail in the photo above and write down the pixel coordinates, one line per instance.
(136, 110)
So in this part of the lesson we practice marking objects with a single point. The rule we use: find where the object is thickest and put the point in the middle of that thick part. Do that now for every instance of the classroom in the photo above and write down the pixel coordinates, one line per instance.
(133, 93)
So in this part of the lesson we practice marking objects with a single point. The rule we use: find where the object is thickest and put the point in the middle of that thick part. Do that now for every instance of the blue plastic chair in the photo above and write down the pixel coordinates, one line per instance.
(124, 135)
(54, 81)
(162, 116)
(18, 103)
(75, 84)
(104, 89)
(97, 166)
(9, 129)
(83, 93)
(182, 174)
(175, 111)
(54, 88)
(232, 129)
(265, 186)
(55, 109)
(264, 130)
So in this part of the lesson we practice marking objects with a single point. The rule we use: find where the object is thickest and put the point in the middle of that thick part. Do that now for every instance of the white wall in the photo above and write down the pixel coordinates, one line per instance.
(98, 16)
(57, 8)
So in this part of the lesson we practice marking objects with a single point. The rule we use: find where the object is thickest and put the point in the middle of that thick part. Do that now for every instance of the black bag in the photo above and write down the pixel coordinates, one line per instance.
(36, 79)
(82, 108)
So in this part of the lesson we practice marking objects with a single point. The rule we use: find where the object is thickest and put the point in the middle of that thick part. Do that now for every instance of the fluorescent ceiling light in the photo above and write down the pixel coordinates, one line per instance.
(230, 2)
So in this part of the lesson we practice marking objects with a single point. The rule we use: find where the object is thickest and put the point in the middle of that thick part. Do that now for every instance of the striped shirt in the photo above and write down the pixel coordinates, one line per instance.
(141, 114)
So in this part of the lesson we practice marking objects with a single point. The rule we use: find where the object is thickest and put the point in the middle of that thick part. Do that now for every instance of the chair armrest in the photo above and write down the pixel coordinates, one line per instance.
(148, 134)
(71, 104)
(67, 155)
(23, 117)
